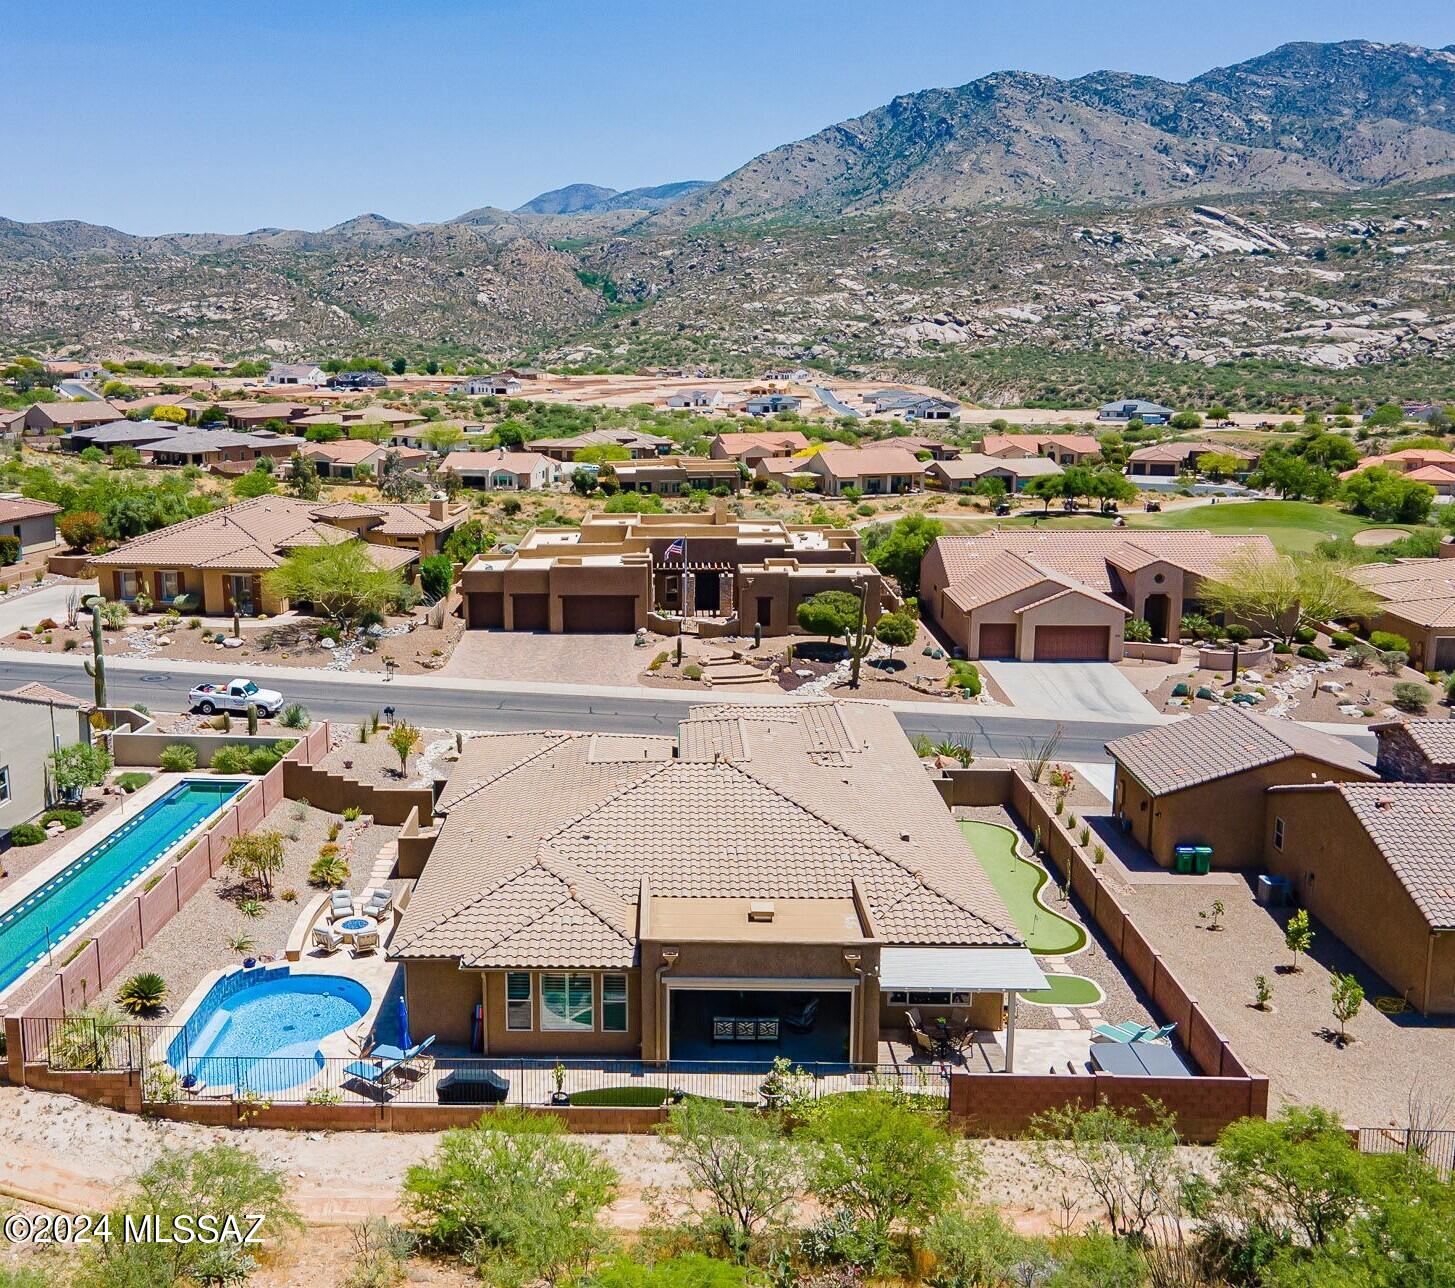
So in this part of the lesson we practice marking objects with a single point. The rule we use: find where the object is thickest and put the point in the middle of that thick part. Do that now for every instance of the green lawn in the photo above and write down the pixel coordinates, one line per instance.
(1017, 882)
(1295, 527)
(1066, 990)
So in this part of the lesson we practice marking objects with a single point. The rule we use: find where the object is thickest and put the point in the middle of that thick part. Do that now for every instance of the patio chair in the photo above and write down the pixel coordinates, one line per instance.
(327, 938)
(801, 1019)
(1125, 1032)
(340, 905)
(924, 1043)
(366, 941)
(377, 903)
(373, 1070)
(412, 1060)
(1160, 1034)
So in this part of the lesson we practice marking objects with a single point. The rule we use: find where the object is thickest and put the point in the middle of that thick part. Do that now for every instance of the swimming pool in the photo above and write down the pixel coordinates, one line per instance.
(258, 1030)
(52, 911)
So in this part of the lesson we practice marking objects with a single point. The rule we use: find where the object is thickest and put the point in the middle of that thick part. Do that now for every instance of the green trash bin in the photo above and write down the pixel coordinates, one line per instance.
(1202, 860)
(1184, 858)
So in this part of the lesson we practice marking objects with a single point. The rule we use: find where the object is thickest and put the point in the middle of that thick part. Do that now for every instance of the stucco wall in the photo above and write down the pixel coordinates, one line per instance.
(442, 999)
(539, 1042)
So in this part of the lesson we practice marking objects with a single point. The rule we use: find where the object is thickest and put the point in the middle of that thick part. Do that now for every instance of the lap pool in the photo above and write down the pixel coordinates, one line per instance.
(52, 911)
(258, 1030)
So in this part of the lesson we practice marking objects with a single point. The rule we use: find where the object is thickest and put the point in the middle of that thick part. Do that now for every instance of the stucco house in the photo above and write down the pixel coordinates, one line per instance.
(296, 373)
(1064, 449)
(1149, 413)
(964, 473)
(1053, 596)
(60, 417)
(875, 471)
(675, 475)
(501, 470)
(1417, 600)
(752, 448)
(639, 446)
(349, 458)
(35, 720)
(501, 386)
(1168, 460)
(770, 881)
(32, 523)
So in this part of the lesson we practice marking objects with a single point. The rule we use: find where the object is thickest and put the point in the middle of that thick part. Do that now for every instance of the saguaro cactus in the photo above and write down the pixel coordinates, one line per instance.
(96, 667)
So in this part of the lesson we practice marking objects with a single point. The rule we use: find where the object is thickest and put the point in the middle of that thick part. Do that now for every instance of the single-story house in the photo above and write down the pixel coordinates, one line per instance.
(387, 416)
(1201, 781)
(875, 471)
(121, 433)
(33, 523)
(69, 370)
(502, 386)
(737, 892)
(475, 433)
(674, 475)
(695, 398)
(964, 473)
(1417, 600)
(358, 380)
(1149, 413)
(1425, 411)
(217, 560)
(34, 721)
(61, 417)
(1064, 449)
(937, 448)
(751, 448)
(1059, 596)
(770, 404)
(500, 470)
(348, 458)
(256, 414)
(641, 446)
(296, 373)
(1168, 460)
(214, 446)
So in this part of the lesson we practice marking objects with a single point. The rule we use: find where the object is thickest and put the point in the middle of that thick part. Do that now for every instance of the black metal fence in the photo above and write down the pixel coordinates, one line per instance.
(1437, 1148)
(171, 1073)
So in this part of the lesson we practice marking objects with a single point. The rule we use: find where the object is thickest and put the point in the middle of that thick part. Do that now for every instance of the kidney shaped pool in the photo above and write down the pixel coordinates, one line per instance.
(259, 1030)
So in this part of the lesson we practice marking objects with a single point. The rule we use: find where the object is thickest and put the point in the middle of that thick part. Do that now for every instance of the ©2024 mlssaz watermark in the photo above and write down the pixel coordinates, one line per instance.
(206, 1228)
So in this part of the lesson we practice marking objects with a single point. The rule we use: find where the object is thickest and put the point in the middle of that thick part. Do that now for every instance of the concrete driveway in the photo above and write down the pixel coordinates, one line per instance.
(25, 607)
(1070, 689)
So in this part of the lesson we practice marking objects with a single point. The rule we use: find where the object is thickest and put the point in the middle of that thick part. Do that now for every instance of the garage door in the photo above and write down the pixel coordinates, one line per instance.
(1072, 643)
(532, 612)
(997, 640)
(597, 614)
(485, 610)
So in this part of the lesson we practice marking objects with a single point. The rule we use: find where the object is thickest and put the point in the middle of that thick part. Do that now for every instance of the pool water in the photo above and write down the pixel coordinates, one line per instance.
(52, 911)
(259, 1031)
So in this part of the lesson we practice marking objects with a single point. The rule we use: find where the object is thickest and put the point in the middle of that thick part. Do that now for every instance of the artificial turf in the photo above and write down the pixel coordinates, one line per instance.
(1017, 882)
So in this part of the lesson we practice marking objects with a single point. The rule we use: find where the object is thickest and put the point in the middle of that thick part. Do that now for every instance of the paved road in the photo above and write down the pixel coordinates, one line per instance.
(439, 704)
(832, 402)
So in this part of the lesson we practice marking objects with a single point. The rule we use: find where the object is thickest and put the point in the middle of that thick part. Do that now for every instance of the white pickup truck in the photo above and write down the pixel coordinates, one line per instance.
(237, 696)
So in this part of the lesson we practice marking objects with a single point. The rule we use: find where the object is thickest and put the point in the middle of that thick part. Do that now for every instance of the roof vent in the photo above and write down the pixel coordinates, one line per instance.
(904, 836)
(760, 910)
(1384, 802)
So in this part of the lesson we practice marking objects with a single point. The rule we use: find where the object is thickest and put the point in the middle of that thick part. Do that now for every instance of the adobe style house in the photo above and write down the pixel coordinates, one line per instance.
(32, 523)
(389, 417)
(1375, 863)
(1417, 600)
(640, 447)
(772, 881)
(217, 560)
(1149, 413)
(752, 448)
(619, 572)
(936, 448)
(964, 473)
(1168, 460)
(501, 470)
(674, 475)
(1059, 596)
(255, 415)
(34, 720)
(1201, 781)
(295, 373)
(875, 471)
(1432, 466)
(349, 458)
(60, 417)
(1064, 449)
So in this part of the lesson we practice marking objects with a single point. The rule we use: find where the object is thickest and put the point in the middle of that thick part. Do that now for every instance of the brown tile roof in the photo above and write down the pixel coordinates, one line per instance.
(992, 444)
(795, 802)
(1413, 826)
(973, 465)
(15, 508)
(1421, 591)
(34, 692)
(855, 462)
(84, 413)
(1174, 452)
(497, 459)
(1223, 742)
(789, 440)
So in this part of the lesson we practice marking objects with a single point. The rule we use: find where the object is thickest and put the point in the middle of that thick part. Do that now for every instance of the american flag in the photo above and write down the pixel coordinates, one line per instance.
(677, 550)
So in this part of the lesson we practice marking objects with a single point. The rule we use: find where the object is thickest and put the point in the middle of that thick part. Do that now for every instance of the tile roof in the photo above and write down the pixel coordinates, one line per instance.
(855, 462)
(82, 413)
(1413, 826)
(735, 444)
(973, 465)
(991, 444)
(1434, 738)
(1421, 591)
(1223, 742)
(1175, 452)
(496, 459)
(794, 802)
(35, 692)
(15, 508)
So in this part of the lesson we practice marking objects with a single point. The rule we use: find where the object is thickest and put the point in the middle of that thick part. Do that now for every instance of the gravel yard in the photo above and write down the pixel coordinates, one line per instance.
(377, 763)
(195, 941)
(20, 859)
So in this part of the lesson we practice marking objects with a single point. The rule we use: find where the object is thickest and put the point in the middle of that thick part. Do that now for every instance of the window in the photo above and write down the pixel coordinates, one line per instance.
(1277, 833)
(920, 998)
(566, 1002)
(171, 586)
(5, 784)
(517, 1000)
(613, 1003)
(126, 585)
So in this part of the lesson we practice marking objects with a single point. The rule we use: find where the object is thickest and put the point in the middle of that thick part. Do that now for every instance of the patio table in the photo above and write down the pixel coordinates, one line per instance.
(350, 927)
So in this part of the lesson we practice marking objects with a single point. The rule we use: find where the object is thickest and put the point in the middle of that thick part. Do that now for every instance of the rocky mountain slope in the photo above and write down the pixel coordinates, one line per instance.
(1325, 117)
(588, 198)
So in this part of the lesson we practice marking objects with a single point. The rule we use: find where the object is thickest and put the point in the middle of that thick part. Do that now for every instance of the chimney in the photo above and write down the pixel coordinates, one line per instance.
(438, 505)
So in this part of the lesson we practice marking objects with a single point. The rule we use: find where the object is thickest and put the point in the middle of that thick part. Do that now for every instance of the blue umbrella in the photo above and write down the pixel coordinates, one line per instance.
(405, 1041)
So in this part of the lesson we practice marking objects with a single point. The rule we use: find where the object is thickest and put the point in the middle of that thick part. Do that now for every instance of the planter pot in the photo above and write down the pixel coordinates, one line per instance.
(249, 963)
(560, 1098)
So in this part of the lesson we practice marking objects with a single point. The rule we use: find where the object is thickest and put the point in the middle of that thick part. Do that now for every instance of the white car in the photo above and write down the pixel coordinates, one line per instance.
(238, 696)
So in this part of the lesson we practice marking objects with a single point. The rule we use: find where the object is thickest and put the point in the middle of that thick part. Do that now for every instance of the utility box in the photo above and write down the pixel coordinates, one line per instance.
(1274, 892)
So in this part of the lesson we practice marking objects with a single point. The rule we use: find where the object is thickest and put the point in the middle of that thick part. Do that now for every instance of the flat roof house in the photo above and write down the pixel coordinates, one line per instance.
(348, 458)
(59, 417)
(501, 470)
(217, 560)
(295, 373)
(751, 448)
(772, 881)
(1149, 413)
(33, 523)
(875, 471)
(616, 572)
(1201, 781)
(963, 473)
(1060, 596)
(641, 446)
(1417, 600)
(1064, 449)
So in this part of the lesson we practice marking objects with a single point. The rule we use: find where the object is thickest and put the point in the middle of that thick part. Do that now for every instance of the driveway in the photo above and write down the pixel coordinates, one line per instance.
(25, 607)
(1070, 689)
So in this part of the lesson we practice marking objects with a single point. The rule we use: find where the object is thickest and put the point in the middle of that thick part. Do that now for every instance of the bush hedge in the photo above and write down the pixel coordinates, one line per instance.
(27, 834)
(1389, 642)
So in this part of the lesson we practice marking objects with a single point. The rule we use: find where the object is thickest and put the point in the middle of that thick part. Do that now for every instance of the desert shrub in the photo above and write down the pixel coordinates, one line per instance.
(1305, 635)
(1312, 652)
(142, 994)
(133, 781)
(68, 818)
(230, 759)
(27, 834)
(965, 676)
(1411, 696)
(688, 1270)
(351, 812)
(692, 671)
(262, 759)
(1282, 649)
(1393, 661)
(179, 757)
(1138, 631)
(1238, 634)
(328, 871)
(1389, 642)
(9, 550)
(1343, 639)
(977, 1247)
(294, 716)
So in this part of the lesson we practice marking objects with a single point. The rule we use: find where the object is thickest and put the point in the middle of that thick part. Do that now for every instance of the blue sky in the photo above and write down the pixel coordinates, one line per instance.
(205, 116)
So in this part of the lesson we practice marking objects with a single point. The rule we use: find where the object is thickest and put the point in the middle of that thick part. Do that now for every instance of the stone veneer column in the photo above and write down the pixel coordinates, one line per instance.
(689, 594)
(728, 584)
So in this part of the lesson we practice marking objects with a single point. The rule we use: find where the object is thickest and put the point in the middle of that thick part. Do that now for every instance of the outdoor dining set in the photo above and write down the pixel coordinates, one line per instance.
(939, 1037)
(355, 922)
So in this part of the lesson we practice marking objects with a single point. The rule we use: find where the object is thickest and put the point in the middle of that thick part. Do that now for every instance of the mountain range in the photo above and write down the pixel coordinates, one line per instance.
(830, 213)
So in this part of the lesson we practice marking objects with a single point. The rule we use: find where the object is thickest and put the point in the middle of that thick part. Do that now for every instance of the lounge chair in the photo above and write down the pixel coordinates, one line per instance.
(402, 1058)
(801, 1019)
(373, 1069)
(340, 905)
(1158, 1034)
(327, 938)
(1125, 1032)
(366, 941)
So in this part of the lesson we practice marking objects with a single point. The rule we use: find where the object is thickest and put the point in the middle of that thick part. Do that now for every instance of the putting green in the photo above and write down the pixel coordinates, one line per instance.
(1066, 990)
(1018, 883)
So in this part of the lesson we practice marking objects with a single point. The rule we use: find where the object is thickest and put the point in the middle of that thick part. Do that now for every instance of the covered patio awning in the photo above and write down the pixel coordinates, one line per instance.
(1007, 970)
